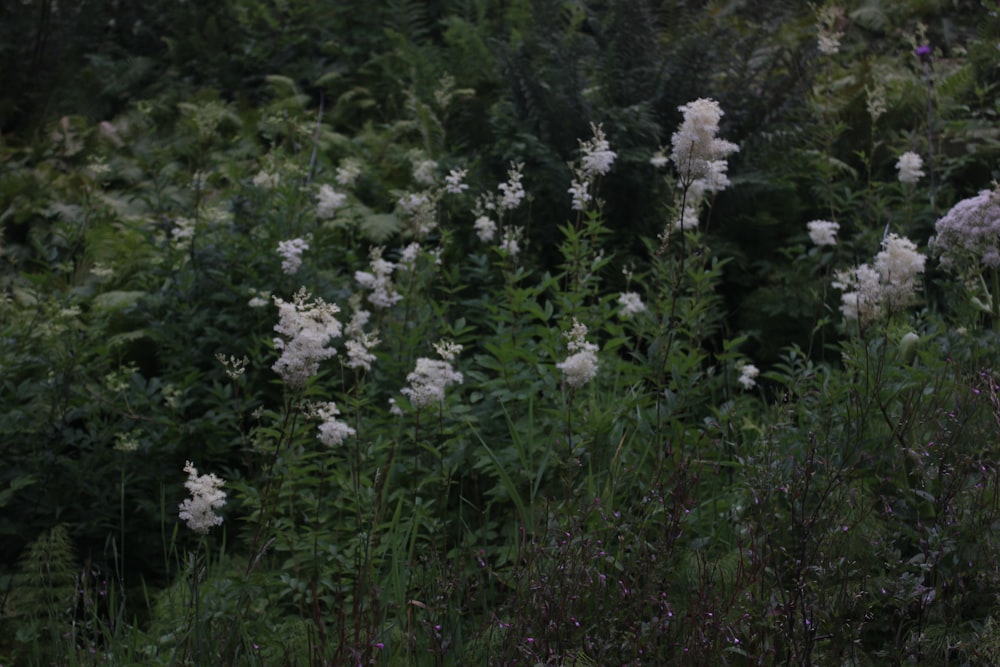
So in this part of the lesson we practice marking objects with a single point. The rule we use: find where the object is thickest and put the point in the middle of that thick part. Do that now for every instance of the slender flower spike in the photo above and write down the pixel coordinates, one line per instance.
(909, 167)
(206, 497)
(432, 376)
(307, 327)
(328, 202)
(597, 154)
(748, 376)
(696, 150)
(580, 367)
(630, 304)
(291, 255)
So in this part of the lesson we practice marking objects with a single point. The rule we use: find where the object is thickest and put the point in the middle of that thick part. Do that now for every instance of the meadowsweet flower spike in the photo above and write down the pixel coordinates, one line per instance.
(206, 497)
(630, 304)
(889, 285)
(580, 367)
(910, 167)
(432, 376)
(328, 202)
(597, 154)
(823, 232)
(307, 327)
(748, 376)
(696, 150)
(291, 255)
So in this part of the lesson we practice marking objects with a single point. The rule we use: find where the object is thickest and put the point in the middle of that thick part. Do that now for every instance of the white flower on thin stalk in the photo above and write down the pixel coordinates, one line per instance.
(580, 194)
(597, 156)
(307, 328)
(580, 367)
(359, 343)
(381, 289)
(889, 285)
(630, 304)
(485, 228)
(291, 255)
(455, 182)
(432, 376)
(696, 150)
(332, 431)
(348, 172)
(748, 376)
(207, 496)
(910, 167)
(328, 202)
(423, 172)
(823, 232)
(512, 192)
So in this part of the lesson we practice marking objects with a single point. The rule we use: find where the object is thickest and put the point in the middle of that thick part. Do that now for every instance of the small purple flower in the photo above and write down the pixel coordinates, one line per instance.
(923, 52)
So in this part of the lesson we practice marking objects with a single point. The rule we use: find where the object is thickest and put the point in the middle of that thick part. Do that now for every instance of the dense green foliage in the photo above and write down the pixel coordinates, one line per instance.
(838, 508)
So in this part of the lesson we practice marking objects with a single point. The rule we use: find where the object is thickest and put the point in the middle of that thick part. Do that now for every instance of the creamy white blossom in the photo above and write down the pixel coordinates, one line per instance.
(696, 150)
(910, 167)
(891, 284)
(266, 180)
(580, 367)
(454, 182)
(347, 172)
(291, 255)
(423, 172)
(332, 431)
(823, 232)
(381, 289)
(307, 328)
(828, 19)
(512, 192)
(359, 343)
(485, 228)
(580, 194)
(748, 376)
(329, 200)
(630, 304)
(969, 234)
(207, 496)
(597, 156)
(659, 159)
(432, 376)
(508, 244)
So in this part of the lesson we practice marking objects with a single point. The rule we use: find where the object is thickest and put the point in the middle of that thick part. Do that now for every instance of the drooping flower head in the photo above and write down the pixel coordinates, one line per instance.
(206, 497)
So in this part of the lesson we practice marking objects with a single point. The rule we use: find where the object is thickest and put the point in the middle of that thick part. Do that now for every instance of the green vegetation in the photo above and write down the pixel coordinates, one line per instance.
(533, 332)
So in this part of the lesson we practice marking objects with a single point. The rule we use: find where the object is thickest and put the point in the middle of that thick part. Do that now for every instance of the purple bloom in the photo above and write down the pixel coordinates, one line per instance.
(923, 52)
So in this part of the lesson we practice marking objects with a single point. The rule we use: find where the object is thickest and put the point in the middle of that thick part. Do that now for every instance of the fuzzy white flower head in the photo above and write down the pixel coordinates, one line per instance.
(910, 167)
(291, 255)
(328, 202)
(259, 299)
(432, 376)
(828, 17)
(862, 297)
(332, 431)
(580, 367)
(512, 192)
(823, 232)
(485, 228)
(454, 182)
(695, 146)
(580, 194)
(266, 181)
(630, 304)
(307, 328)
(597, 154)
(206, 497)
(659, 159)
(381, 290)
(508, 244)
(890, 284)
(423, 171)
(348, 172)
(748, 376)
(408, 256)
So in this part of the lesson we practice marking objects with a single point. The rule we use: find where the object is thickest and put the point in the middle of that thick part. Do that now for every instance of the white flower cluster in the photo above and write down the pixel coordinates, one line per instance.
(421, 208)
(969, 234)
(332, 431)
(266, 180)
(512, 192)
(580, 367)
(828, 19)
(359, 342)
(485, 228)
(596, 158)
(630, 304)
(823, 232)
(910, 167)
(748, 376)
(206, 497)
(381, 290)
(329, 200)
(431, 376)
(423, 171)
(888, 286)
(455, 182)
(347, 172)
(696, 151)
(291, 255)
(307, 327)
